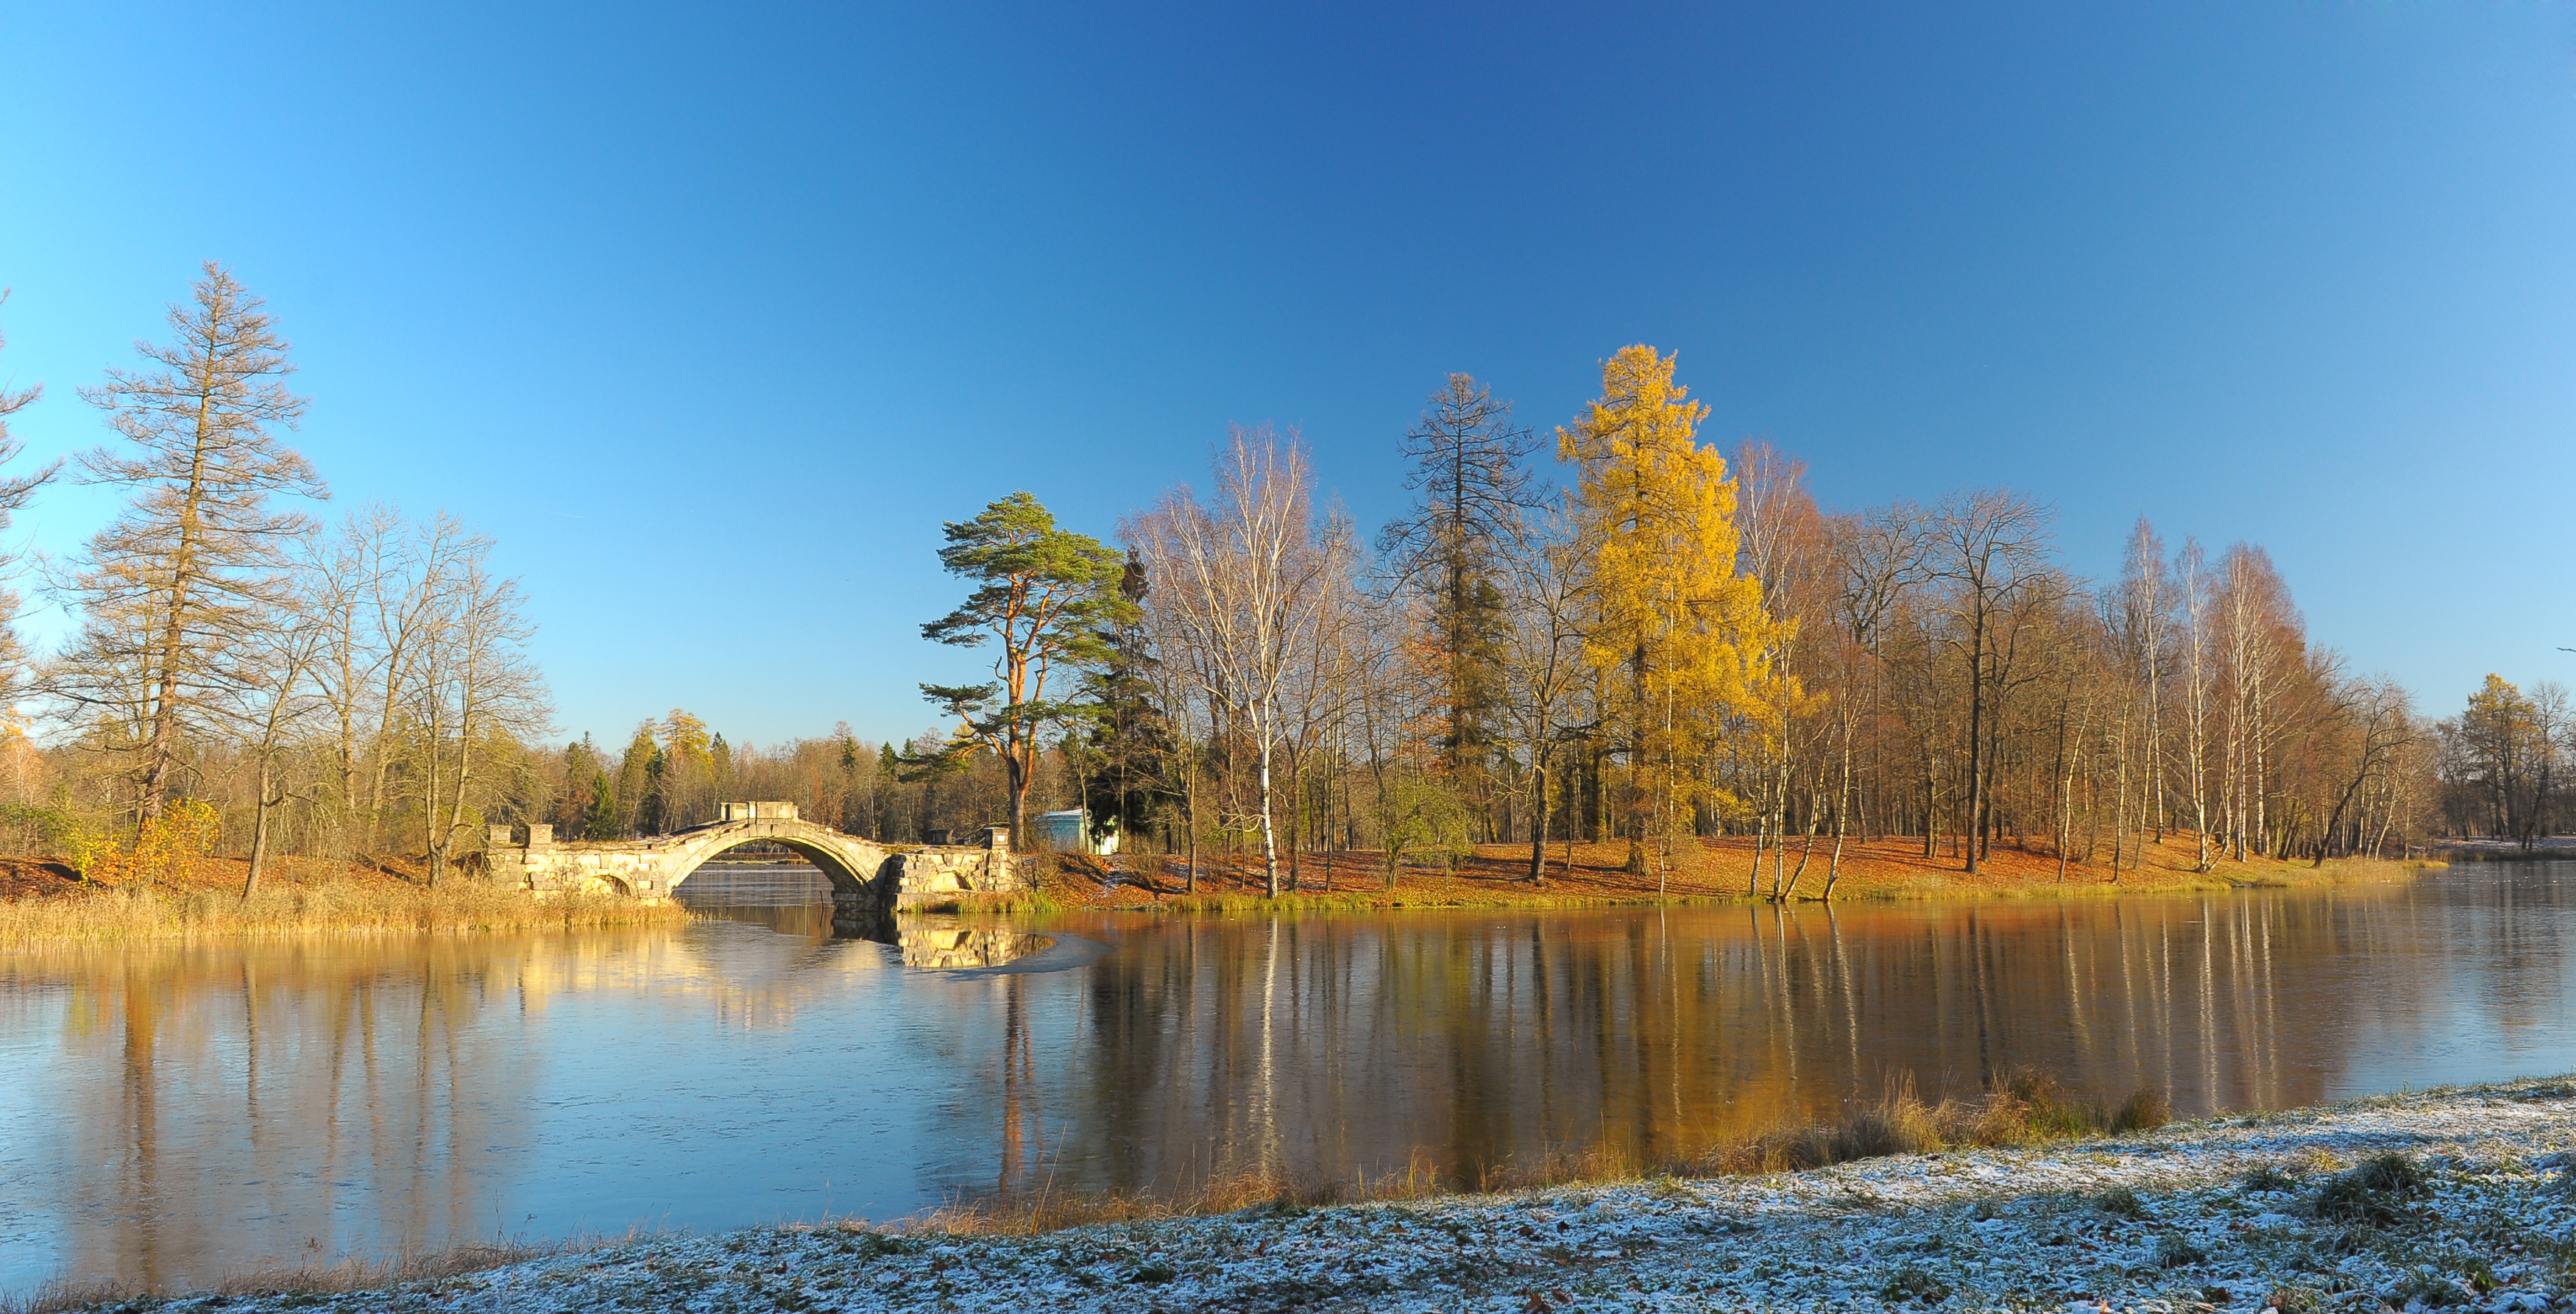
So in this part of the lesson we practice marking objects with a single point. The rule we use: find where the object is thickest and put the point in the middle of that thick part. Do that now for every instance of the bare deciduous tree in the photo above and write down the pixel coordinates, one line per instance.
(1544, 656)
(474, 687)
(1246, 582)
(1993, 548)
(269, 693)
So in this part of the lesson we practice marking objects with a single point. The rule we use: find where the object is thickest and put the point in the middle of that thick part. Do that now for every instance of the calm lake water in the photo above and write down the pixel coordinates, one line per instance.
(169, 1113)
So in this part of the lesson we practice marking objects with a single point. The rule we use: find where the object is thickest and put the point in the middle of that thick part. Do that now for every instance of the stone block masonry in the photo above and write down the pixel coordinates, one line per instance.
(869, 880)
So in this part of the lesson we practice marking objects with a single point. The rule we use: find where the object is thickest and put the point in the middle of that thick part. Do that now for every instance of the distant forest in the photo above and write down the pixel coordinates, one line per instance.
(1673, 642)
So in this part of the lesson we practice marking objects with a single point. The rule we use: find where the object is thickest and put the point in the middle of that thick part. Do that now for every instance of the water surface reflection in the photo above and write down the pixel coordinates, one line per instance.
(167, 1112)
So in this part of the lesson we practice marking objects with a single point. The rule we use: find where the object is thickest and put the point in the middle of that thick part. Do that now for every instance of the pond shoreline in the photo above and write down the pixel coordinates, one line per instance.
(302, 898)
(2296, 1211)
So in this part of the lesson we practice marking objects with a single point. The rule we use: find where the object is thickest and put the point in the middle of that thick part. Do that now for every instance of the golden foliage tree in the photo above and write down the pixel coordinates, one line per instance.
(1680, 639)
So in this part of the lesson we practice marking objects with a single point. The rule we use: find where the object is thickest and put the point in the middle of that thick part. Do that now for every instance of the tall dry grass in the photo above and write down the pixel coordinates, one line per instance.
(1024, 902)
(333, 905)
(2026, 1108)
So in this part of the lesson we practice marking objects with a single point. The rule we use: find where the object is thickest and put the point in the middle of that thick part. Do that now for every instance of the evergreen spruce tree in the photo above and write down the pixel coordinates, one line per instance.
(1470, 492)
(637, 772)
(1128, 740)
(599, 819)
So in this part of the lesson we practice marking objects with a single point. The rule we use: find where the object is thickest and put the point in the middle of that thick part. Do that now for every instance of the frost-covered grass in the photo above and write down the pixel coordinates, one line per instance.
(2447, 1199)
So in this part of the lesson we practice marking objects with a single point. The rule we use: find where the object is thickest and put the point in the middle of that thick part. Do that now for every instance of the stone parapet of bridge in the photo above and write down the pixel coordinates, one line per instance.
(868, 878)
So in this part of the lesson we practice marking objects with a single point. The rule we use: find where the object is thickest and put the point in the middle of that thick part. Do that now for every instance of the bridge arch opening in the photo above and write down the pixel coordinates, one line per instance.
(842, 878)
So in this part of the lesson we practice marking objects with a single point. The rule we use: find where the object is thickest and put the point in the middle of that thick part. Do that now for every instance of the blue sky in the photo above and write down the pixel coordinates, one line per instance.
(711, 316)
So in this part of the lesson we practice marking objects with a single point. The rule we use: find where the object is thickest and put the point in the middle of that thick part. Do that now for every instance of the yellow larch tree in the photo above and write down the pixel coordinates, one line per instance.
(1681, 639)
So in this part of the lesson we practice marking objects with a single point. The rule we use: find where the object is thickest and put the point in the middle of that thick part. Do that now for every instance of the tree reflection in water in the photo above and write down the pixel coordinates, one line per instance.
(169, 1111)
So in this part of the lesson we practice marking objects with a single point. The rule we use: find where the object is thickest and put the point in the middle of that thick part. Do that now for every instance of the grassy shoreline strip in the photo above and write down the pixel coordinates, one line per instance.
(351, 905)
(2451, 1198)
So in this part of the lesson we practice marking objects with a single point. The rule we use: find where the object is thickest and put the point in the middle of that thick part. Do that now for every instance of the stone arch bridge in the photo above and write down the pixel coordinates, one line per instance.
(869, 880)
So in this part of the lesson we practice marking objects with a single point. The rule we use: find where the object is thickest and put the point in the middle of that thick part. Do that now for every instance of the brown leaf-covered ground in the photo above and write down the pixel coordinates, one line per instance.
(24, 878)
(29, 878)
(1715, 868)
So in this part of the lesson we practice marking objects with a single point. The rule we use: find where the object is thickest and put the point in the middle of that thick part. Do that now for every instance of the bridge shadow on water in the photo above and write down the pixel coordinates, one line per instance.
(797, 900)
(790, 899)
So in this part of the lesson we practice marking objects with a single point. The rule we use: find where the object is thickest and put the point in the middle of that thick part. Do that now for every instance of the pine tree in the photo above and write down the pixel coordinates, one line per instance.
(1044, 593)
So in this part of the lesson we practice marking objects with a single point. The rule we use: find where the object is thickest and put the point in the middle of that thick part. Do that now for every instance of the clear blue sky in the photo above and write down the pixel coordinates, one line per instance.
(712, 316)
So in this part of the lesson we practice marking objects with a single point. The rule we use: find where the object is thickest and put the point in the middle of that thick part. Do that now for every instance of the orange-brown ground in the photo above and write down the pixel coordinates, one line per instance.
(28, 878)
(1716, 868)
(24, 878)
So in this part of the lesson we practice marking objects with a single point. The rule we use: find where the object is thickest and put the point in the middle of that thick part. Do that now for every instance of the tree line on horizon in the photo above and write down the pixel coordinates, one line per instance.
(244, 674)
(1674, 643)
(250, 678)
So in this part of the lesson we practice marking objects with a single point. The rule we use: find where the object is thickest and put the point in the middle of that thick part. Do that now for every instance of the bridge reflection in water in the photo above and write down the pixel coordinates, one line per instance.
(169, 1111)
(797, 900)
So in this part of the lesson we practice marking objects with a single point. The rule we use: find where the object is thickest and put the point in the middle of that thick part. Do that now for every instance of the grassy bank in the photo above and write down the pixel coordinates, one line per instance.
(300, 898)
(2442, 1199)
(1705, 870)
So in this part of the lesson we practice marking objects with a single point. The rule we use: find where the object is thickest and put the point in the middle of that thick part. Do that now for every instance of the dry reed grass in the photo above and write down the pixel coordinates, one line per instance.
(342, 905)
(2024, 1108)
(297, 1278)
(1019, 901)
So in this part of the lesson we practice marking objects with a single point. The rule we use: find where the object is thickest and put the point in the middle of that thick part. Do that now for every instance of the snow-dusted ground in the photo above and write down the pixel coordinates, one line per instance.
(1988, 1229)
